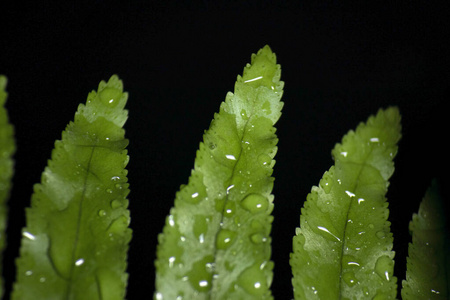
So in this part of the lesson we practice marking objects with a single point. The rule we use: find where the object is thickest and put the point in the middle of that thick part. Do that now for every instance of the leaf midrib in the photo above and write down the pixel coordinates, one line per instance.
(363, 165)
(241, 138)
(77, 232)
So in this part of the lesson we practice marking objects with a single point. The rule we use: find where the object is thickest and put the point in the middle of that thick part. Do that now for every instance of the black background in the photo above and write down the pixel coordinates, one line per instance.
(340, 64)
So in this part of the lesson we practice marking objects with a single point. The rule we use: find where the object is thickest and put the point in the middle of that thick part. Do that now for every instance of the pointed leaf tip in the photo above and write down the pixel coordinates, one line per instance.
(76, 238)
(343, 246)
(216, 241)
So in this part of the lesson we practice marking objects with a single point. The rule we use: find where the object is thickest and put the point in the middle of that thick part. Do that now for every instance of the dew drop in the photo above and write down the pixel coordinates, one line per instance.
(244, 114)
(118, 225)
(255, 203)
(384, 267)
(229, 209)
(258, 238)
(115, 178)
(200, 227)
(225, 238)
(109, 191)
(380, 234)
(28, 273)
(326, 182)
(116, 204)
(253, 280)
(264, 160)
(349, 278)
(366, 291)
(257, 225)
(200, 276)
(102, 213)
(266, 108)
(110, 96)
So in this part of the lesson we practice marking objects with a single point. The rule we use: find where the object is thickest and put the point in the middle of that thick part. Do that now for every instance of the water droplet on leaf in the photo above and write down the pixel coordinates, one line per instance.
(258, 238)
(200, 276)
(349, 278)
(230, 208)
(116, 204)
(253, 280)
(200, 226)
(118, 225)
(384, 267)
(255, 203)
(110, 96)
(264, 159)
(225, 238)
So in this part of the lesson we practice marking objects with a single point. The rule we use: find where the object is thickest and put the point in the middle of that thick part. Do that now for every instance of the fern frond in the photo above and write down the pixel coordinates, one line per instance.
(428, 264)
(76, 238)
(7, 149)
(216, 243)
(343, 248)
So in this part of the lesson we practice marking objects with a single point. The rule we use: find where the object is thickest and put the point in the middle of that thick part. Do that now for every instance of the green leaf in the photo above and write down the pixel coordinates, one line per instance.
(7, 149)
(342, 249)
(77, 235)
(216, 243)
(428, 265)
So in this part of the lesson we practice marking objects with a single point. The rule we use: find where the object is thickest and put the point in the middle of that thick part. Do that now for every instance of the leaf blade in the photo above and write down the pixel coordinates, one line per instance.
(428, 266)
(223, 214)
(7, 149)
(343, 247)
(75, 242)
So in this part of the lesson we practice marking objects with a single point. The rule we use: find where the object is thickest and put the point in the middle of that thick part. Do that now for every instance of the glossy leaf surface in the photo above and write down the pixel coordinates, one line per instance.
(428, 264)
(216, 243)
(7, 148)
(343, 248)
(76, 238)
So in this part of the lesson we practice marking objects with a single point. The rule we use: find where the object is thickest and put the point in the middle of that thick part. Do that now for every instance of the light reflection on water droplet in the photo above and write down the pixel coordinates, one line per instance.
(384, 267)
(329, 232)
(230, 157)
(230, 188)
(171, 261)
(115, 178)
(79, 262)
(350, 194)
(29, 235)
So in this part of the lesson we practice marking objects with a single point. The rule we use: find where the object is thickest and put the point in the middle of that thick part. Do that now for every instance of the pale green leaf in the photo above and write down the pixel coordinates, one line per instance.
(7, 149)
(428, 264)
(216, 243)
(76, 238)
(343, 248)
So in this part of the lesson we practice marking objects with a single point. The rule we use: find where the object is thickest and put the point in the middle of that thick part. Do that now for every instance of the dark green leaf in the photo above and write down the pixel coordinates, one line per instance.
(343, 248)
(7, 149)
(216, 242)
(428, 264)
(75, 242)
